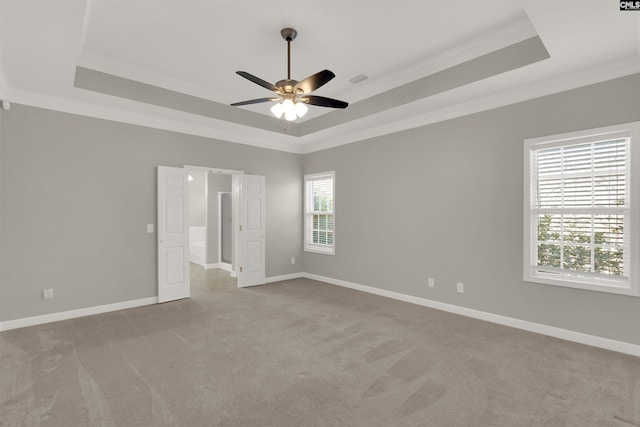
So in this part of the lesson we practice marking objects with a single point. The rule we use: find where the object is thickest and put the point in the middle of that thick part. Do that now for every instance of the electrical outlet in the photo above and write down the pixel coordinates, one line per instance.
(47, 294)
(149, 228)
(460, 288)
(293, 261)
(432, 282)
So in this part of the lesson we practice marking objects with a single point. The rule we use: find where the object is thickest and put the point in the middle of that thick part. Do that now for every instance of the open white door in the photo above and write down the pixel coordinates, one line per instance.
(251, 253)
(173, 234)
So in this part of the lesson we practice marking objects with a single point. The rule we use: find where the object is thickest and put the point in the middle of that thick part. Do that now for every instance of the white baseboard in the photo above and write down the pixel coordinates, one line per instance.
(579, 337)
(285, 277)
(224, 266)
(221, 265)
(72, 314)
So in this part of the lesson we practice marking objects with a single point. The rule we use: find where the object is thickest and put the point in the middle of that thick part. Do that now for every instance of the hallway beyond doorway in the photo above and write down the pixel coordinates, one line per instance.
(207, 280)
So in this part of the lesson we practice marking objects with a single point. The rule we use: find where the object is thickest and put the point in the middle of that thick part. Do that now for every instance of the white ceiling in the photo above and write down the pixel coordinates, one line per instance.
(195, 46)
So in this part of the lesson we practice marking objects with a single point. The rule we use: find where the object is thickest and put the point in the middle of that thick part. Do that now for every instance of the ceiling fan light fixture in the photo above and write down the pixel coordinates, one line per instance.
(301, 109)
(289, 110)
(277, 110)
(287, 104)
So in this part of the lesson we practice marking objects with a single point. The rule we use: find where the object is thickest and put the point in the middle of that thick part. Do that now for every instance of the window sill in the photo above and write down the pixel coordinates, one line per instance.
(316, 250)
(620, 288)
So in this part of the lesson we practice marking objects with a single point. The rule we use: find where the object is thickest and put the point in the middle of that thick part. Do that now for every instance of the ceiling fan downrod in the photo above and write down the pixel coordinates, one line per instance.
(289, 35)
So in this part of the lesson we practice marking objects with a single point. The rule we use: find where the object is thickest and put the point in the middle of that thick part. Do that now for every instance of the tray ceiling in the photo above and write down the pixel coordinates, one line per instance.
(171, 64)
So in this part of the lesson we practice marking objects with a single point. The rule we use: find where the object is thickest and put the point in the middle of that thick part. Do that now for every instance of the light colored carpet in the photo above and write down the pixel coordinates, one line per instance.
(304, 353)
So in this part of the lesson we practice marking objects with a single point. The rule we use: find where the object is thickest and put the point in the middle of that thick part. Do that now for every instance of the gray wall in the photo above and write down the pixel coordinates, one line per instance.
(216, 183)
(445, 201)
(76, 196)
(197, 199)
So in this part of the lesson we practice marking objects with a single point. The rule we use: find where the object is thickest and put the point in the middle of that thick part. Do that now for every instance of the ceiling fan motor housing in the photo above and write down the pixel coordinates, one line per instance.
(287, 85)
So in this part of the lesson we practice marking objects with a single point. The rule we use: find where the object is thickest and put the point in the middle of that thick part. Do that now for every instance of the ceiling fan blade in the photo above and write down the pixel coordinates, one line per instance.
(258, 81)
(313, 82)
(321, 101)
(253, 101)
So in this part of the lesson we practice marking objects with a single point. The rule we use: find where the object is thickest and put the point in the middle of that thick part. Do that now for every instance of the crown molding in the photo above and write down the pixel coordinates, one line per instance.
(420, 113)
(157, 118)
(417, 115)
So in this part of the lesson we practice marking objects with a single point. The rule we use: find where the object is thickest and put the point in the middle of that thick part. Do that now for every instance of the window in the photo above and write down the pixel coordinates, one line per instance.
(319, 215)
(581, 220)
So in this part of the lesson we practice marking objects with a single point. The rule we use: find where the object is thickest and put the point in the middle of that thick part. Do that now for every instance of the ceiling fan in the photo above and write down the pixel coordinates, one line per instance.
(293, 96)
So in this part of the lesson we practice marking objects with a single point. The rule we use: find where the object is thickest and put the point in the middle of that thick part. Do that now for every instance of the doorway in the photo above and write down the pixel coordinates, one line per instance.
(206, 185)
(247, 235)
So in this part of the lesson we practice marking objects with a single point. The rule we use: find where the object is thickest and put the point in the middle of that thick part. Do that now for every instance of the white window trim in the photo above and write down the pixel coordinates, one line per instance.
(630, 286)
(309, 246)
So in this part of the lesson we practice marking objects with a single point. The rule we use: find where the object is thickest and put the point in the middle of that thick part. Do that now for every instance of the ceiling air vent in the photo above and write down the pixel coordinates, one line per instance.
(358, 78)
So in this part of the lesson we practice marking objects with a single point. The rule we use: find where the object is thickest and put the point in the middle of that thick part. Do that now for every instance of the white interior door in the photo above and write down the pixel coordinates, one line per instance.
(173, 234)
(251, 253)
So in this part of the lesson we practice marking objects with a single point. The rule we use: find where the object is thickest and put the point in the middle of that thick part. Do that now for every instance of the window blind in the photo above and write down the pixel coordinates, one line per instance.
(320, 212)
(580, 203)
